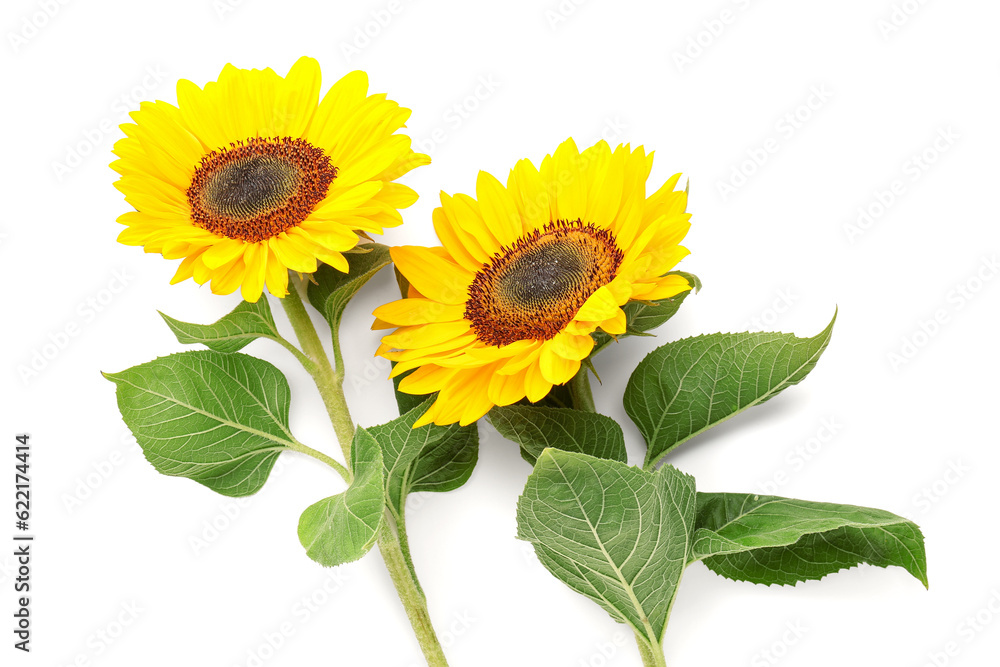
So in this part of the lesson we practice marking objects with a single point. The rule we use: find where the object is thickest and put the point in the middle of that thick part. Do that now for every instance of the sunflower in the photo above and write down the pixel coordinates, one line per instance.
(252, 175)
(506, 308)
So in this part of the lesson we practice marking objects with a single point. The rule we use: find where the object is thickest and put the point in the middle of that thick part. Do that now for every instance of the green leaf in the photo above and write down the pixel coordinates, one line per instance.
(535, 428)
(684, 388)
(771, 540)
(219, 419)
(641, 316)
(333, 290)
(344, 527)
(233, 332)
(614, 533)
(430, 458)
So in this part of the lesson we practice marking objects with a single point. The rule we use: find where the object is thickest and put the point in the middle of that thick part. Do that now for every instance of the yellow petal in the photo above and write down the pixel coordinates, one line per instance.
(571, 346)
(507, 389)
(499, 212)
(426, 335)
(432, 275)
(426, 380)
(185, 270)
(276, 276)
(227, 278)
(255, 259)
(223, 252)
(407, 312)
(536, 387)
(530, 194)
(296, 98)
(599, 306)
(296, 255)
(556, 369)
(667, 287)
(572, 197)
(465, 223)
(615, 325)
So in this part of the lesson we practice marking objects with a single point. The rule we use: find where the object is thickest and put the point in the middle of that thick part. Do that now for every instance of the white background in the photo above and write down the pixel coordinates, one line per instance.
(489, 84)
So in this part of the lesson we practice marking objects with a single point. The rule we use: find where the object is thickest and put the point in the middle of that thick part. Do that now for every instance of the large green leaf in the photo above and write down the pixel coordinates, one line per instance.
(219, 419)
(333, 290)
(644, 316)
(771, 540)
(684, 388)
(616, 534)
(246, 322)
(534, 428)
(429, 458)
(344, 527)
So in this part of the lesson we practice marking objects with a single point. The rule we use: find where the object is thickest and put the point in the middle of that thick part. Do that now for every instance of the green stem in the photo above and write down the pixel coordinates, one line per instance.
(404, 546)
(410, 595)
(329, 382)
(392, 537)
(333, 463)
(652, 655)
(579, 390)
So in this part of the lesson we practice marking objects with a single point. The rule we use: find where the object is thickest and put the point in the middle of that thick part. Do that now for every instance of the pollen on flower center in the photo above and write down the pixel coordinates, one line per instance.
(255, 189)
(531, 290)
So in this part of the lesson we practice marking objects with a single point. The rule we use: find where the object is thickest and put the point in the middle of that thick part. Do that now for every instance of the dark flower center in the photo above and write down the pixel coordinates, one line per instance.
(256, 189)
(532, 290)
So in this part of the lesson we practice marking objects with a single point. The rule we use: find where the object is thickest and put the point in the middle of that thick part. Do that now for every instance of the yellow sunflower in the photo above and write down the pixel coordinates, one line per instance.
(253, 175)
(506, 308)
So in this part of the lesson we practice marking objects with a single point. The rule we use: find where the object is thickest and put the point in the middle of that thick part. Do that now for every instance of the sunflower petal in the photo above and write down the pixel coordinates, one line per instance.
(432, 275)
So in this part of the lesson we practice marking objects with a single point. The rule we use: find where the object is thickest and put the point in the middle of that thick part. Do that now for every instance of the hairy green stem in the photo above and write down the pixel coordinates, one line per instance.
(652, 656)
(320, 456)
(410, 595)
(329, 382)
(404, 545)
(392, 541)
(579, 390)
